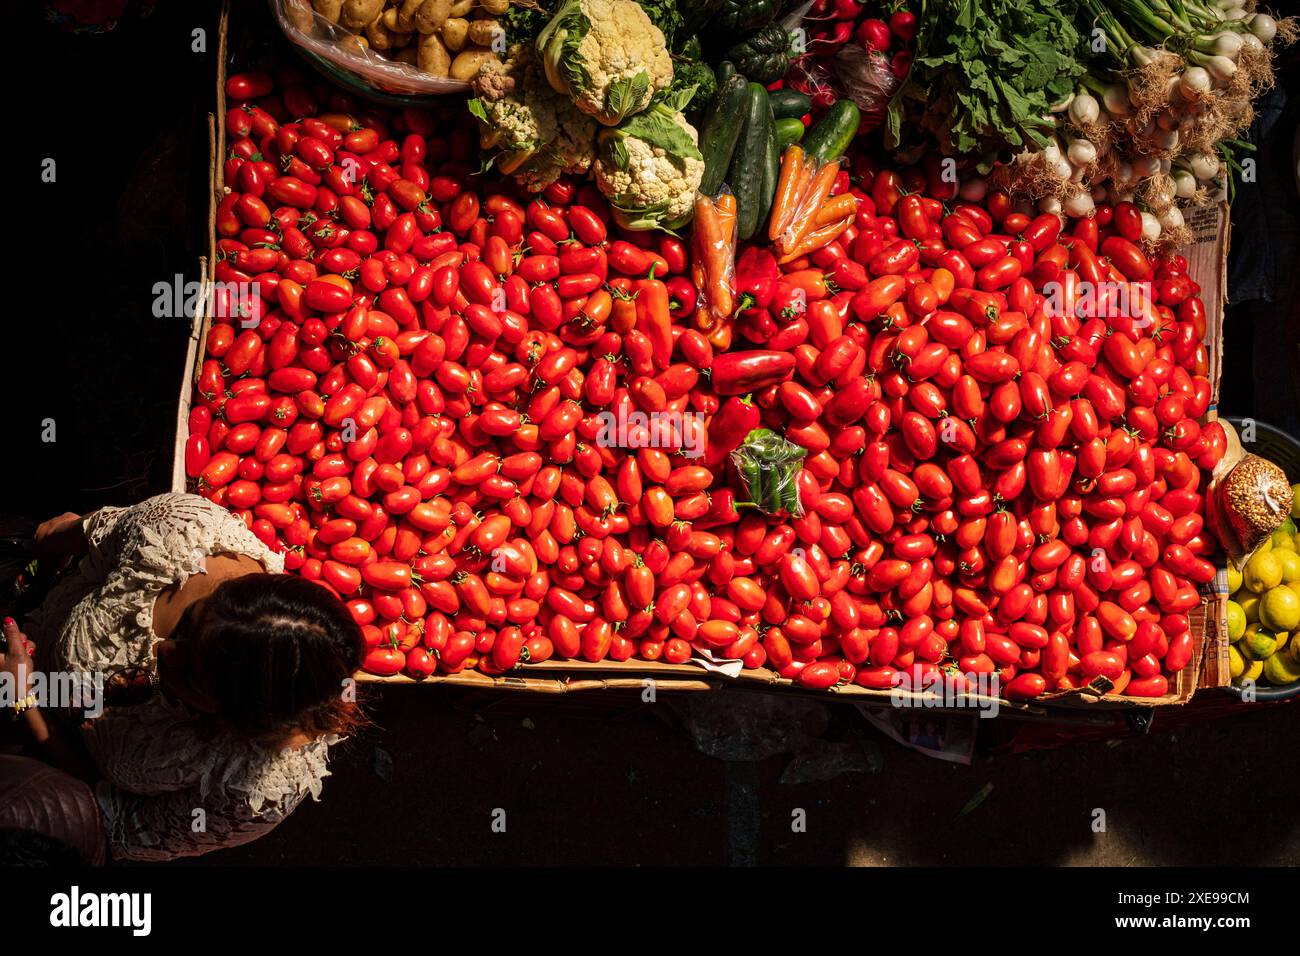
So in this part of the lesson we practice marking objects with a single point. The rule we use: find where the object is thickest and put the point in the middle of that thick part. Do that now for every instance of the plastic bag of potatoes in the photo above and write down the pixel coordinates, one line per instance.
(401, 47)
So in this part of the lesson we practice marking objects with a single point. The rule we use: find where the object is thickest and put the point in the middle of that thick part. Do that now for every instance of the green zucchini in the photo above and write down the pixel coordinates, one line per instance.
(771, 170)
(788, 131)
(749, 160)
(828, 140)
(720, 131)
(789, 104)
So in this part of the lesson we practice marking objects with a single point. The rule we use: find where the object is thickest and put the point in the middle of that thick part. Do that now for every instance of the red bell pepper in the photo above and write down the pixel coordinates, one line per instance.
(736, 373)
(756, 276)
(735, 419)
(653, 317)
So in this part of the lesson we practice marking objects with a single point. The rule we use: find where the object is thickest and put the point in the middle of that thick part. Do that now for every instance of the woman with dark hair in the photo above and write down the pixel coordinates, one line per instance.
(225, 680)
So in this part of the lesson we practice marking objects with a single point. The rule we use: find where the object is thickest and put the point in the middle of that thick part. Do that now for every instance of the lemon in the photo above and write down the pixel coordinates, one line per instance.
(1236, 621)
(1258, 644)
(1252, 671)
(1280, 669)
(1290, 562)
(1279, 609)
(1266, 545)
(1283, 541)
(1288, 526)
(1234, 578)
(1249, 604)
(1295, 501)
(1263, 571)
(1236, 663)
(1283, 641)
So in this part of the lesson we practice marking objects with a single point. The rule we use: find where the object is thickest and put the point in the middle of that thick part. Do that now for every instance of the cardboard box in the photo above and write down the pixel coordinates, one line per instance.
(1207, 256)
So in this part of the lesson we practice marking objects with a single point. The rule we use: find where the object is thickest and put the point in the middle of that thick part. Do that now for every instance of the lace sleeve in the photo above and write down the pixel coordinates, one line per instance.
(170, 535)
(102, 544)
(182, 823)
(171, 791)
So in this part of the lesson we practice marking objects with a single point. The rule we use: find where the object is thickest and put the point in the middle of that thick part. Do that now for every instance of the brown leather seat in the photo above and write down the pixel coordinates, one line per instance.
(36, 796)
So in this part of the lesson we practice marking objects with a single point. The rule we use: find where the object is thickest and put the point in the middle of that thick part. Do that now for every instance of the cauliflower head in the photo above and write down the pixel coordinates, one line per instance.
(606, 55)
(540, 133)
(649, 168)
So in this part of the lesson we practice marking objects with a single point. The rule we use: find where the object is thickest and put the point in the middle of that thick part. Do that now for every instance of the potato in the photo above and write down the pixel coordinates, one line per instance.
(379, 36)
(354, 44)
(467, 62)
(454, 32)
(329, 9)
(484, 32)
(406, 13)
(298, 13)
(431, 15)
(359, 14)
(433, 57)
(461, 8)
(407, 54)
(389, 19)
(495, 7)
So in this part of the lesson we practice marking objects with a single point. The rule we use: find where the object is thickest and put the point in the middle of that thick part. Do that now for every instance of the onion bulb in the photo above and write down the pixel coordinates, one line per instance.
(1204, 165)
(1170, 219)
(1116, 99)
(1150, 227)
(1050, 204)
(1144, 166)
(1194, 82)
(1165, 138)
(1220, 68)
(1251, 43)
(1084, 110)
(1082, 152)
(1063, 168)
(1227, 44)
(1263, 27)
(1184, 182)
(1079, 205)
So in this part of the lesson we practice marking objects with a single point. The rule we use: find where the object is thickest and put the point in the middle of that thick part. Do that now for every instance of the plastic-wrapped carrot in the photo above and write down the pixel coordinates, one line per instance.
(714, 225)
(788, 185)
(833, 210)
(816, 193)
(814, 240)
(722, 283)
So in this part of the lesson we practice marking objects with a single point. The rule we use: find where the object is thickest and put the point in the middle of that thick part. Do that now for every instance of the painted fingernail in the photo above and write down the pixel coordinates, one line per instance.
(10, 621)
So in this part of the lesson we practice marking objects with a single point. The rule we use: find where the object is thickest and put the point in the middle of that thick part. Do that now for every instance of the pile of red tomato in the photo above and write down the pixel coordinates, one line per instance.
(995, 482)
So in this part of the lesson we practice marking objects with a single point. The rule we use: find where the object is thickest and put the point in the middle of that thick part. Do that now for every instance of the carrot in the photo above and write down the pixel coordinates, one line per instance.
(814, 240)
(803, 178)
(833, 210)
(726, 206)
(709, 235)
(786, 184)
(722, 299)
(812, 200)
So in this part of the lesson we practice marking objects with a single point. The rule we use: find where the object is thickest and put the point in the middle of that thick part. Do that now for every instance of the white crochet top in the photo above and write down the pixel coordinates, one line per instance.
(169, 790)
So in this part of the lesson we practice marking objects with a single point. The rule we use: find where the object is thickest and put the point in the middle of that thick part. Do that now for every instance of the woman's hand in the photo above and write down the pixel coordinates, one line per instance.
(16, 661)
(59, 538)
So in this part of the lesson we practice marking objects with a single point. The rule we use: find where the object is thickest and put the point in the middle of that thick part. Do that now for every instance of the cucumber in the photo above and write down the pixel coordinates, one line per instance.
(771, 170)
(726, 70)
(720, 130)
(790, 104)
(749, 161)
(788, 131)
(828, 140)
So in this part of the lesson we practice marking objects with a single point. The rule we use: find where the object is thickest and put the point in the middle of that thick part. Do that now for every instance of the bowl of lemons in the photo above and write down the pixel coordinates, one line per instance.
(1264, 596)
